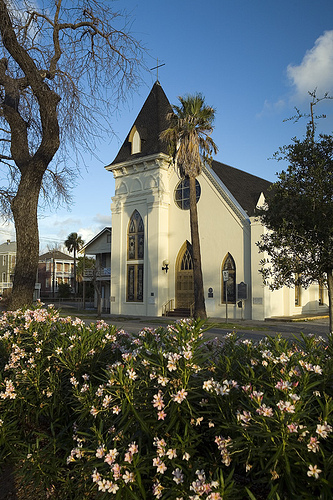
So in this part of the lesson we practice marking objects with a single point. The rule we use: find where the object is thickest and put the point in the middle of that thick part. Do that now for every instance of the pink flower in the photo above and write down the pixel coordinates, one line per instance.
(313, 445)
(111, 456)
(116, 469)
(158, 401)
(161, 467)
(128, 457)
(265, 411)
(292, 427)
(257, 396)
(161, 415)
(286, 406)
(133, 448)
(180, 396)
(283, 385)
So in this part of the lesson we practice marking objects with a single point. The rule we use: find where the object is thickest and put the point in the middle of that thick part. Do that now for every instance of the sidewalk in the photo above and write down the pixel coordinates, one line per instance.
(255, 329)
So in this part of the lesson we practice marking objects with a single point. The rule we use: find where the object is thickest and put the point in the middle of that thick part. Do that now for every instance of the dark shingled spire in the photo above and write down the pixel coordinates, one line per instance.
(150, 122)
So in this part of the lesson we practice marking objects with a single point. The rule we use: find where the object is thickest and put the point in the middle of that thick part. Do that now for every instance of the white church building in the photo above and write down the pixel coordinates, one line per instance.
(151, 258)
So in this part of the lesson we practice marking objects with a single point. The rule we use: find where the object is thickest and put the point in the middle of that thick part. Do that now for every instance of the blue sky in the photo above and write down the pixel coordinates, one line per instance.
(253, 60)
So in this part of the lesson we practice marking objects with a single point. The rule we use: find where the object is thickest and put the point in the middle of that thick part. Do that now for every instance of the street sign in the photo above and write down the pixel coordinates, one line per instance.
(225, 275)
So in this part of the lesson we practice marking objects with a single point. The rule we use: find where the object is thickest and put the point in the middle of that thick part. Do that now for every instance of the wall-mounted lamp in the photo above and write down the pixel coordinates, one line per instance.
(165, 265)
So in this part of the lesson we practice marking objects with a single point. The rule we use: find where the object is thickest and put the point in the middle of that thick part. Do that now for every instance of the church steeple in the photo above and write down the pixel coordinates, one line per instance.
(150, 122)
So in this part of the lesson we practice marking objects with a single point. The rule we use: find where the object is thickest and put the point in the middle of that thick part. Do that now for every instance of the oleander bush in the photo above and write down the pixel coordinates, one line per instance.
(88, 411)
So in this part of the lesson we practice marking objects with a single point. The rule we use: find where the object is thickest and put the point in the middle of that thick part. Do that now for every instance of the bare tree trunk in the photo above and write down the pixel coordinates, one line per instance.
(199, 298)
(24, 208)
(330, 298)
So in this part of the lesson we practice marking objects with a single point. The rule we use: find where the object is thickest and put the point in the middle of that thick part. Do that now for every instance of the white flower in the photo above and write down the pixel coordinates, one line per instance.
(178, 476)
(323, 430)
(131, 374)
(171, 453)
(100, 452)
(313, 471)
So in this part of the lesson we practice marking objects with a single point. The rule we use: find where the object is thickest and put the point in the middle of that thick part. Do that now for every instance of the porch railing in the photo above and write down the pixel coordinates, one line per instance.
(167, 307)
(192, 309)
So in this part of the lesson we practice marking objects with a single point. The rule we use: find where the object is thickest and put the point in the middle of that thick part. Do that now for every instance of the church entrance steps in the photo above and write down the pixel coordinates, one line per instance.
(180, 312)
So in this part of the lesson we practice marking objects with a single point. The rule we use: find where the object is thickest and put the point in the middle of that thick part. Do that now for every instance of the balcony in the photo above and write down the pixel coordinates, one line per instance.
(101, 273)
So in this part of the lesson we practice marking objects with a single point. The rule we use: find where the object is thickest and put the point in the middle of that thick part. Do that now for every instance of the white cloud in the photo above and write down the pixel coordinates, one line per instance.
(55, 228)
(270, 108)
(316, 68)
(102, 220)
(7, 231)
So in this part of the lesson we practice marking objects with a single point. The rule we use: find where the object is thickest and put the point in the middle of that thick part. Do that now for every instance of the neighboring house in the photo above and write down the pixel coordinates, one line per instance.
(100, 247)
(7, 264)
(151, 255)
(54, 267)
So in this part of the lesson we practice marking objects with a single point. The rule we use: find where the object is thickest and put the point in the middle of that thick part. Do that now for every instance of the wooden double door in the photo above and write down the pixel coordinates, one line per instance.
(184, 277)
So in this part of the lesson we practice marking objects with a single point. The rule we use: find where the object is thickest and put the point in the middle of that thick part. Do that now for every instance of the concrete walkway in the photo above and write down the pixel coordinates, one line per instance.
(287, 327)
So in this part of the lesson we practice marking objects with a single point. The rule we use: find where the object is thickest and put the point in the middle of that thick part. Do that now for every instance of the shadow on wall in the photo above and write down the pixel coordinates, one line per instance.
(312, 307)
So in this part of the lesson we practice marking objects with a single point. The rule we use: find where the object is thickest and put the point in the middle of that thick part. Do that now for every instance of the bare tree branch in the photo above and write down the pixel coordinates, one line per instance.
(65, 66)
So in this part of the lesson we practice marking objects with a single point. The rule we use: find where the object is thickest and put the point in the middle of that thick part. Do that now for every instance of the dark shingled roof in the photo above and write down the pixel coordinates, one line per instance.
(150, 122)
(54, 254)
(246, 188)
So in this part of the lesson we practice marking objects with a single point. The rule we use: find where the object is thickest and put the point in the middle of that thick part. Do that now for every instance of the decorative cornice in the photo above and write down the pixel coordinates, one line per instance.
(158, 160)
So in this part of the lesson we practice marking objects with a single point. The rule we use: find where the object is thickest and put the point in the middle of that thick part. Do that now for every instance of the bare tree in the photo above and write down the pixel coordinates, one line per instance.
(64, 67)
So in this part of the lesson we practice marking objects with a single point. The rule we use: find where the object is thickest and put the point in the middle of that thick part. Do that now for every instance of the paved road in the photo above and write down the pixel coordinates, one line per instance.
(250, 329)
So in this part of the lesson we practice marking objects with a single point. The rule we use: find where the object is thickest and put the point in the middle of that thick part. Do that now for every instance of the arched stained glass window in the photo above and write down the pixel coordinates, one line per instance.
(135, 237)
(135, 255)
(229, 285)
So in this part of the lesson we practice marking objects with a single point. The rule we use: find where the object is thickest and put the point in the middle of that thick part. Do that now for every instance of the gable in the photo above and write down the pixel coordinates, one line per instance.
(101, 243)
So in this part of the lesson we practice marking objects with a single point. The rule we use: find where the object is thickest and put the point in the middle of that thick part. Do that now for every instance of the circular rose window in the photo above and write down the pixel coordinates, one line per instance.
(182, 193)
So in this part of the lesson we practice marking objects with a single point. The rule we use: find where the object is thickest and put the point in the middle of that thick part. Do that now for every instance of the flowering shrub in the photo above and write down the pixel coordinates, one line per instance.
(92, 412)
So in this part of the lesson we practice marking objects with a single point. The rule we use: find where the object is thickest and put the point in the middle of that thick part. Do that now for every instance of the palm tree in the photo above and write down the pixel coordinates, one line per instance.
(73, 243)
(188, 136)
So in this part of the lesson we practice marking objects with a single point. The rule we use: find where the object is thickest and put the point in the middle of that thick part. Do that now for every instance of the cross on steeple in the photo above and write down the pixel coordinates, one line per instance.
(156, 67)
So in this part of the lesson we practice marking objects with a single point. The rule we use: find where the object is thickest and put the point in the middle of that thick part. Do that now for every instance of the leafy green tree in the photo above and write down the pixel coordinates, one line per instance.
(188, 135)
(299, 215)
(85, 289)
(64, 68)
(64, 290)
(84, 263)
(73, 244)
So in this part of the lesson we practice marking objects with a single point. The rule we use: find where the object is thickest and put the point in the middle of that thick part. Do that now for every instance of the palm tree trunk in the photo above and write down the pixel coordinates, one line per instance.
(75, 288)
(199, 298)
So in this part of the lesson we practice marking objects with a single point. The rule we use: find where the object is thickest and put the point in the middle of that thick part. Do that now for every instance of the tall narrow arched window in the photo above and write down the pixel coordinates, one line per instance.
(135, 255)
(135, 140)
(229, 285)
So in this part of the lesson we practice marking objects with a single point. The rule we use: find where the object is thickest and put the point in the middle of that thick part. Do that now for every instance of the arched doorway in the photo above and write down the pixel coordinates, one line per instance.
(184, 277)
